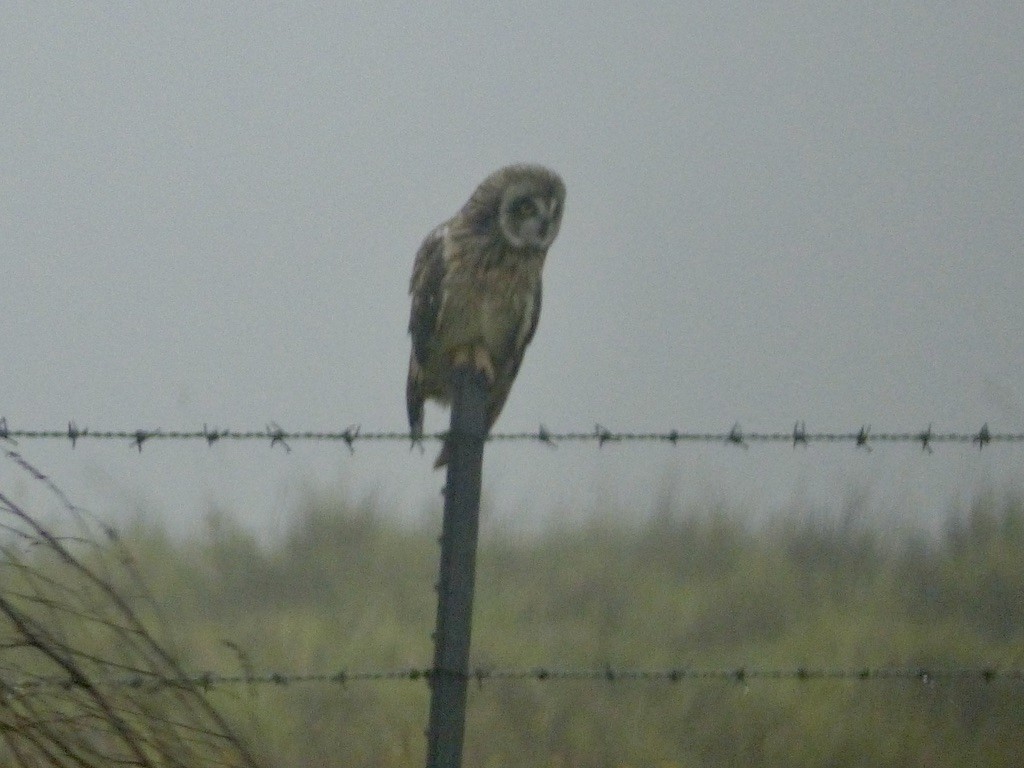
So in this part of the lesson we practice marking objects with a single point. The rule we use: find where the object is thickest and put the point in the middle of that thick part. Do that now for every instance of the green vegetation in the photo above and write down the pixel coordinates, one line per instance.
(347, 590)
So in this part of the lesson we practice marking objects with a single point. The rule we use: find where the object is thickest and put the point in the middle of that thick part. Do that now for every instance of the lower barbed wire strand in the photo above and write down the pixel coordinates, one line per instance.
(543, 674)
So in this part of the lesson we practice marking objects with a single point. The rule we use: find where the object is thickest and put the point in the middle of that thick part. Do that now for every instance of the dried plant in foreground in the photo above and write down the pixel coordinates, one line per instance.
(84, 681)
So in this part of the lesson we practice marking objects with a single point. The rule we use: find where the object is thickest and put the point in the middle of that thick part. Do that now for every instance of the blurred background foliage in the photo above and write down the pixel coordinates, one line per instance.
(346, 588)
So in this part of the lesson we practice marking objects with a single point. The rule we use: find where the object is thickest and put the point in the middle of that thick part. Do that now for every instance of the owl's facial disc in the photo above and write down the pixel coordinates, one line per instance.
(530, 220)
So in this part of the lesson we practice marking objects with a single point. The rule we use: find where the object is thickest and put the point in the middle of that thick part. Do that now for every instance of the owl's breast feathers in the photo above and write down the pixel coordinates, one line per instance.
(488, 298)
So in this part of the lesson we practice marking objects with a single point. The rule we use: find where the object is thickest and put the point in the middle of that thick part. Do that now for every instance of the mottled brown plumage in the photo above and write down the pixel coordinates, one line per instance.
(476, 287)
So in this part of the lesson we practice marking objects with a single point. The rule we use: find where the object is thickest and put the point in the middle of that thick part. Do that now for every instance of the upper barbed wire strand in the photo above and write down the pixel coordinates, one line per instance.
(863, 437)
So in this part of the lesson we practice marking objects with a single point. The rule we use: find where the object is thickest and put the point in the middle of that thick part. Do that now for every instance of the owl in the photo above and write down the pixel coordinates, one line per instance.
(476, 288)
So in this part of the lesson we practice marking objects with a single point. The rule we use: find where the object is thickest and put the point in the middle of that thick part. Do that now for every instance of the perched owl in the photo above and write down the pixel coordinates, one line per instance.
(476, 288)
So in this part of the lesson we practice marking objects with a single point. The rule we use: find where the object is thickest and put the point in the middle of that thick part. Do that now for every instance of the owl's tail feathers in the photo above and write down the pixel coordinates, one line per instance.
(416, 430)
(414, 402)
(443, 456)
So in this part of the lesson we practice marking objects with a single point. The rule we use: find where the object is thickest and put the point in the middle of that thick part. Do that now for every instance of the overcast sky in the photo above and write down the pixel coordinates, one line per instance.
(776, 212)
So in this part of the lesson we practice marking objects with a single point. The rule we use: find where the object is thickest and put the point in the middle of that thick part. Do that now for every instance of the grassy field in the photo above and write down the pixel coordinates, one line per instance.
(344, 589)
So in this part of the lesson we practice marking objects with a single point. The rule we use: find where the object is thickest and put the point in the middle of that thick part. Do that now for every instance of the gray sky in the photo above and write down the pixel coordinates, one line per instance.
(776, 211)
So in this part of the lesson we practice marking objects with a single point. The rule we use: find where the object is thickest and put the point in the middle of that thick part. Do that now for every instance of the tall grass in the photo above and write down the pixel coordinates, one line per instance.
(346, 589)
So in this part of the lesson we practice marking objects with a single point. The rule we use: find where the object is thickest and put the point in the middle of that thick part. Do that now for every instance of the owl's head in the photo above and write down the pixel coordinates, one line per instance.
(521, 204)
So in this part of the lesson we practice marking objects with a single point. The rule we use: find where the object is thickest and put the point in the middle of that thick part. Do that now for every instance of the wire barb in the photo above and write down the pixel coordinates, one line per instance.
(140, 437)
(350, 435)
(983, 437)
(277, 437)
(862, 438)
(603, 435)
(735, 436)
(211, 436)
(74, 433)
(544, 436)
(926, 439)
(800, 434)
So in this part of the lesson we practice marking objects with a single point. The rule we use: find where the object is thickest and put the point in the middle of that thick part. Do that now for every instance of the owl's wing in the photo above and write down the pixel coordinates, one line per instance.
(506, 374)
(425, 287)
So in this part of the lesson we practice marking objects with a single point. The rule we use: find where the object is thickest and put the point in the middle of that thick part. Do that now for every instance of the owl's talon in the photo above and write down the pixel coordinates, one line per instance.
(482, 362)
(478, 358)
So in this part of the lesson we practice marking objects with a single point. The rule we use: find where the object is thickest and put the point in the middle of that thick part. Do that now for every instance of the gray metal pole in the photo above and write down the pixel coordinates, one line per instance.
(449, 676)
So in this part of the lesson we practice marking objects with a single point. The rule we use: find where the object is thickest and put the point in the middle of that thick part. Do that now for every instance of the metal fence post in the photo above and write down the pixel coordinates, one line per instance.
(449, 676)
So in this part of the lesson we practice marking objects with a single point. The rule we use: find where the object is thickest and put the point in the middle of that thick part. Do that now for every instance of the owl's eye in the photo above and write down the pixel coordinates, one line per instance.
(523, 207)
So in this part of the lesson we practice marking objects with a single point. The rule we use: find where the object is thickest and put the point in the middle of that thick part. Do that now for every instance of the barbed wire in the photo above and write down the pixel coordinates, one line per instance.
(861, 438)
(481, 675)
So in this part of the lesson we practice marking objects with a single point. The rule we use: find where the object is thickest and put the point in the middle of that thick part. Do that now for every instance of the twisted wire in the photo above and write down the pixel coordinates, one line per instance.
(863, 437)
(606, 674)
